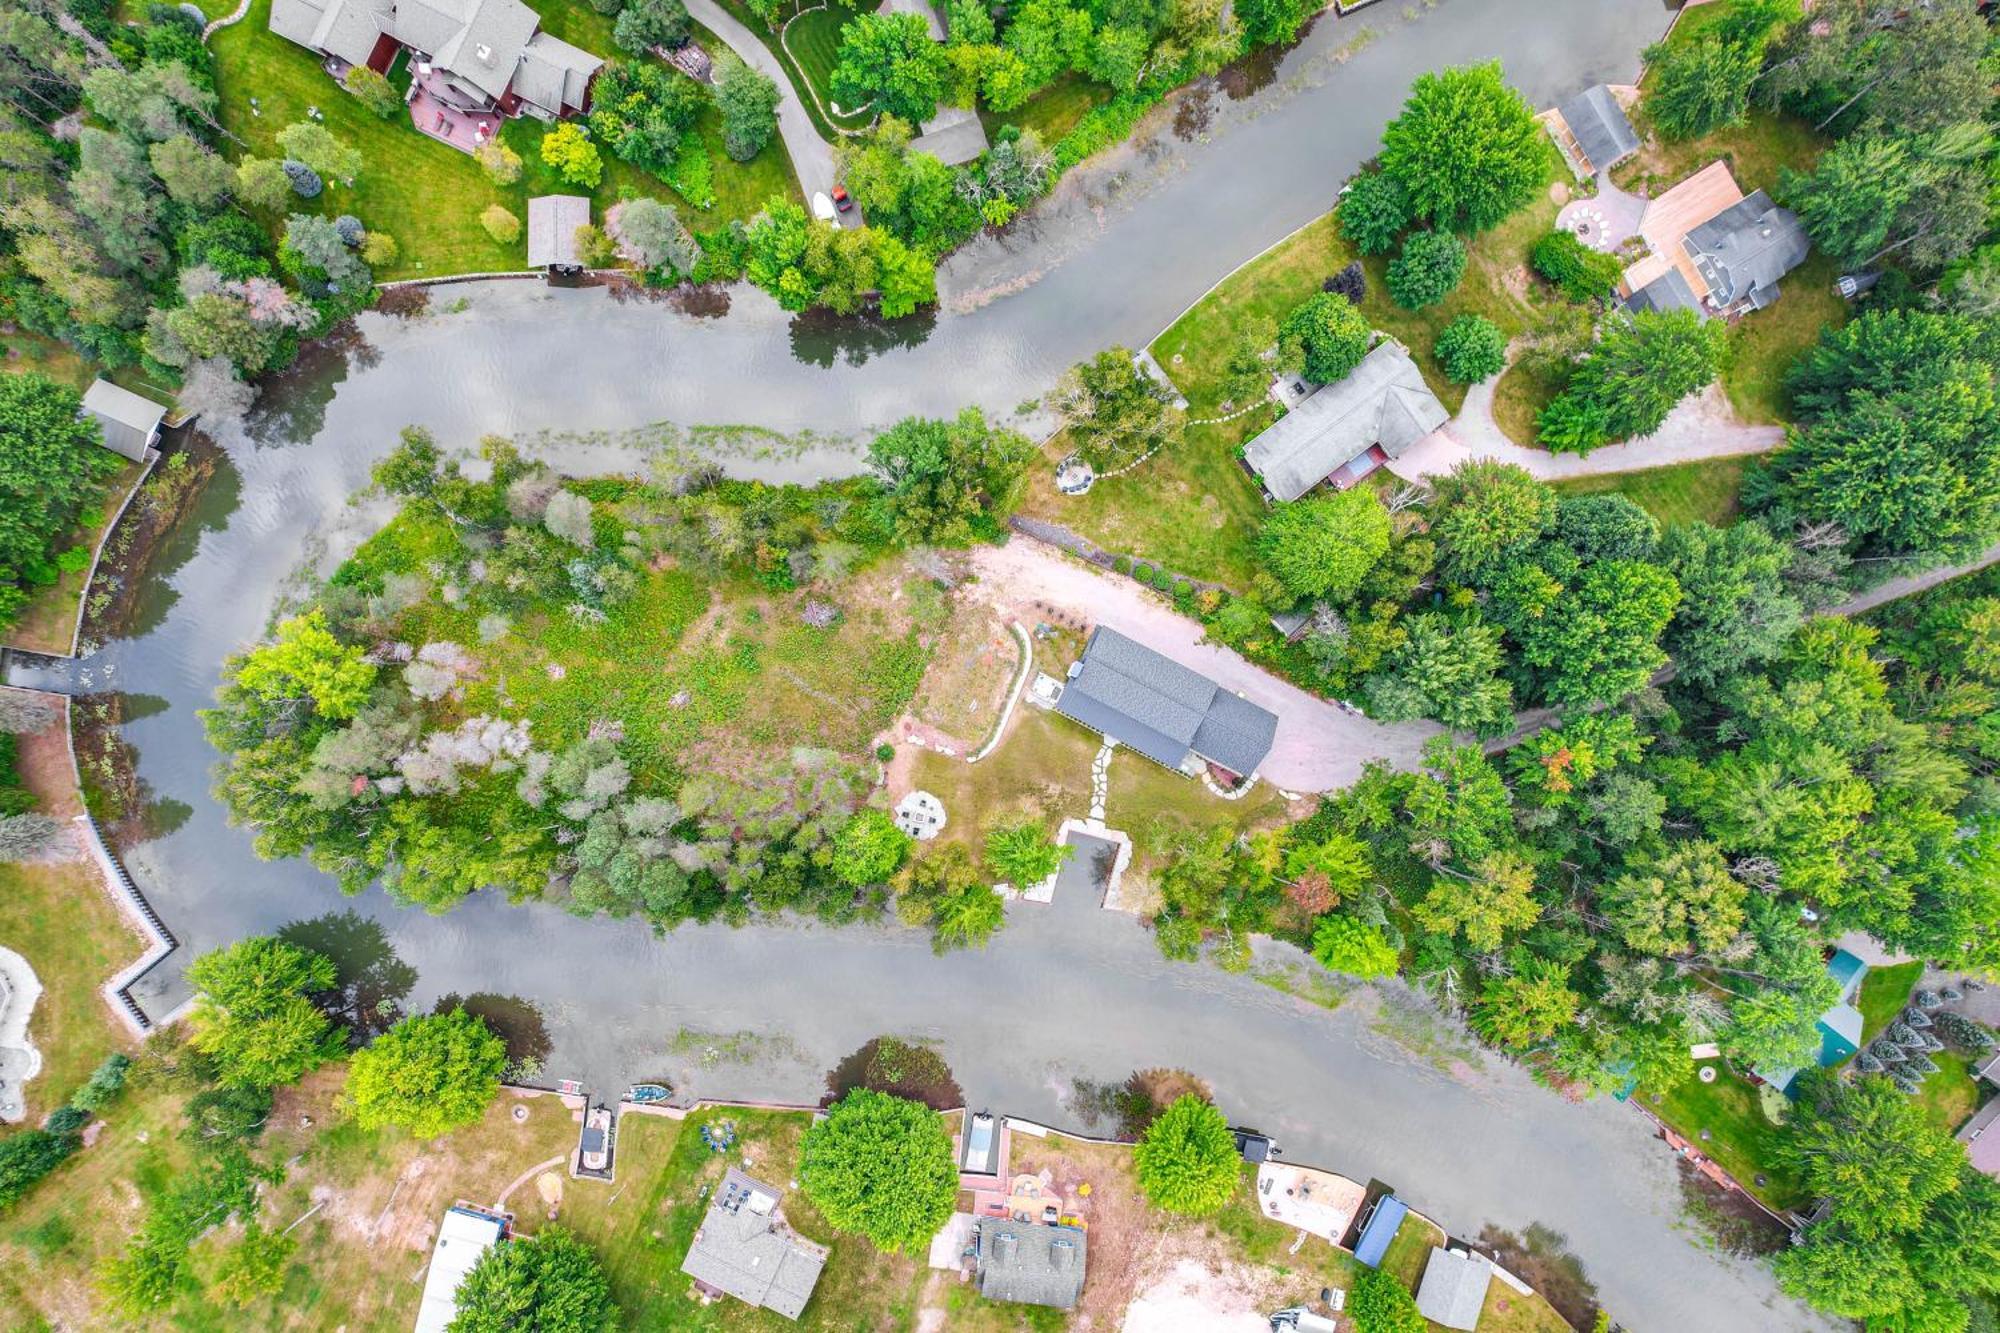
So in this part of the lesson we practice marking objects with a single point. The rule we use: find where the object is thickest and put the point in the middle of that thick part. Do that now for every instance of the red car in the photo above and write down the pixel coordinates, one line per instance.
(841, 199)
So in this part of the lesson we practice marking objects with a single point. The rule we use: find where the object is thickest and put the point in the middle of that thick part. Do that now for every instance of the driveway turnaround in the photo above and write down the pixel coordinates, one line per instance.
(1319, 747)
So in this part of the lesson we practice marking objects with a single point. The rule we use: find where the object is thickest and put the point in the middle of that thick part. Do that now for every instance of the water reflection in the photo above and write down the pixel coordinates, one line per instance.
(820, 337)
(518, 1022)
(291, 407)
(372, 980)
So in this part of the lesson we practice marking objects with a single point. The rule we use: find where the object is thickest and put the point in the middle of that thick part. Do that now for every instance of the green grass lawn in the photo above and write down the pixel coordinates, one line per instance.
(1950, 1096)
(58, 918)
(1410, 1249)
(815, 39)
(1765, 343)
(1884, 993)
(1052, 112)
(1740, 1137)
(1708, 491)
(429, 196)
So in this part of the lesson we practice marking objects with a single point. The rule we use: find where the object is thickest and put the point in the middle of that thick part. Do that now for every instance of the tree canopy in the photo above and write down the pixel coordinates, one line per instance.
(951, 482)
(882, 1167)
(51, 462)
(1325, 545)
(550, 1282)
(430, 1074)
(1466, 148)
(1187, 1160)
(251, 1015)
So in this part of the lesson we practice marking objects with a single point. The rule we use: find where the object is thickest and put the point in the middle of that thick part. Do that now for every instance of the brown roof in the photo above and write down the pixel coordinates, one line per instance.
(1668, 219)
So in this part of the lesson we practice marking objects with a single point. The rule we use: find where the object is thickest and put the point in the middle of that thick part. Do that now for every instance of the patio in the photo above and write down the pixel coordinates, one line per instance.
(443, 120)
(1606, 220)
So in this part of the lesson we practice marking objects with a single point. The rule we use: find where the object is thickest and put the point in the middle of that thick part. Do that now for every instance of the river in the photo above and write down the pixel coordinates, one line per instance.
(1065, 991)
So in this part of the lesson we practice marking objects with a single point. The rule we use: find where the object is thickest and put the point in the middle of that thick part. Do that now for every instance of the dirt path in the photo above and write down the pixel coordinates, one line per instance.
(500, 1204)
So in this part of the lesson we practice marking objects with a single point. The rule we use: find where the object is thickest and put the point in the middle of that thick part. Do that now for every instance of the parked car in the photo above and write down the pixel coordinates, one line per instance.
(823, 207)
(841, 199)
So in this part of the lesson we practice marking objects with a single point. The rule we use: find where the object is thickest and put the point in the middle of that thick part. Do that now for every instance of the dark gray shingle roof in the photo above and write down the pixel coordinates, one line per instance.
(1742, 251)
(552, 223)
(1384, 401)
(1599, 126)
(1669, 291)
(1454, 1288)
(745, 1248)
(1030, 1263)
(1160, 708)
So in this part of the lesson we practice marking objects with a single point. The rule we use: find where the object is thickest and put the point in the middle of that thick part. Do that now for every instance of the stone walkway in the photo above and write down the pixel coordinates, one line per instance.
(1100, 779)
(1606, 220)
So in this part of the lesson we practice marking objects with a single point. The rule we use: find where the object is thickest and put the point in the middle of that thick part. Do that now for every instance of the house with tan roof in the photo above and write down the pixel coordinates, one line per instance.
(1713, 249)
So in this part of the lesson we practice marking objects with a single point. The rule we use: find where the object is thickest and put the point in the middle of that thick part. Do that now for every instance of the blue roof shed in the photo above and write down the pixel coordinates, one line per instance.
(1381, 1229)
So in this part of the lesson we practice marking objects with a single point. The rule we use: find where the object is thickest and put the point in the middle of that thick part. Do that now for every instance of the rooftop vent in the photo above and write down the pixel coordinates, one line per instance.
(1004, 1247)
(1062, 1256)
(484, 52)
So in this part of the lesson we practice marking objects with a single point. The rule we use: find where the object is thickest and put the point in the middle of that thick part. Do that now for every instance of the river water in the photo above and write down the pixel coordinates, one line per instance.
(1065, 991)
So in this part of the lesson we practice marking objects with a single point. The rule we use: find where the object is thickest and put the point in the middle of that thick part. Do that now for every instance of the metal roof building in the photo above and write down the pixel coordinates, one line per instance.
(1373, 1243)
(1124, 690)
(130, 422)
(1384, 404)
(1031, 1263)
(553, 220)
(463, 1236)
(1453, 1291)
(746, 1249)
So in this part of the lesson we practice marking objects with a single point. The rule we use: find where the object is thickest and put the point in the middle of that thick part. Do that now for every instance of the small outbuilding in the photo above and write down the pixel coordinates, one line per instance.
(131, 423)
(954, 136)
(553, 221)
(1384, 1218)
(1453, 1292)
(1031, 1263)
(1593, 131)
(465, 1234)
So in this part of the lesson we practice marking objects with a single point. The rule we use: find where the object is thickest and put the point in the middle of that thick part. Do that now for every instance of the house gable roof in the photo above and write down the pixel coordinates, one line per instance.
(1742, 251)
(554, 74)
(1031, 1263)
(553, 220)
(1669, 291)
(1453, 1291)
(1144, 699)
(745, 1248)
(1599, 126)
(1384, 401)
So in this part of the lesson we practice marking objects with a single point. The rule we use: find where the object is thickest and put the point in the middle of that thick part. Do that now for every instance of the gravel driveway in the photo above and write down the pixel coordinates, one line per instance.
(1318, 747)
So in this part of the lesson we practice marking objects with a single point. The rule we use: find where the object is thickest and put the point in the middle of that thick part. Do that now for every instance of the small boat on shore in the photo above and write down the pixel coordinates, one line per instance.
(645, 1093)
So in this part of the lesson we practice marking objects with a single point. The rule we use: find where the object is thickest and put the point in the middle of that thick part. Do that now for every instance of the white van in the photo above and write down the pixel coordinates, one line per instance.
(823, 208)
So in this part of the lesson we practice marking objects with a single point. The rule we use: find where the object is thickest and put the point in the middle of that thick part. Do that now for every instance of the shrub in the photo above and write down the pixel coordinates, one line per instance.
(1183, 588)
(1470, 348)
(1324, 337)
(1380, 1303)
(28, 1156)
(885, 752)
(1122, 564)
(1429, 268)
(501, 164)
(501, 225)
(1374, 212)
(1343, 944)
(379, 250)
(1187, 1161)
(881, 1166)
(1577, 271)
(1351, 282)
(104, 1083)
(430, 1074)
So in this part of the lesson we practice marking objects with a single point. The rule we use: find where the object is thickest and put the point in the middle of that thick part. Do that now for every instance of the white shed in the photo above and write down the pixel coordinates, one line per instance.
(131, 423)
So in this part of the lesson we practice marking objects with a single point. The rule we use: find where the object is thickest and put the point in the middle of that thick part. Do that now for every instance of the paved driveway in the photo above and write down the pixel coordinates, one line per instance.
(1318, 747)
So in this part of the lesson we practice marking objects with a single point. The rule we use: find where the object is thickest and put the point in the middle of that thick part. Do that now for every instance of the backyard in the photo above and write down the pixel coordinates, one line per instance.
(429, 196)
(1706, 492)
(1725, 1120)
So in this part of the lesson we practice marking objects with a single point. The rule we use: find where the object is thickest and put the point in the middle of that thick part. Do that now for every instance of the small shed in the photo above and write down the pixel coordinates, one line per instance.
(553, 220)
(954, 136)
(131, 423)
(1453, 1292)
(1599, 136)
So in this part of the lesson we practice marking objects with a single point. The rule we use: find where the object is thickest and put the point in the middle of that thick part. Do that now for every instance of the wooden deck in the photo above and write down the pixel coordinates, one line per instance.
(1668, 219)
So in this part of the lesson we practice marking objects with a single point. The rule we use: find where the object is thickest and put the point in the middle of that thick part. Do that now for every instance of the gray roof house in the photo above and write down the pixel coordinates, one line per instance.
(1669, 291)
(488, 54)
(1600, 136)
(553, 220)
(746, 1249)
(1742, 252)
(954, 136)
(1339, 433)
(1176, 717)
(1030, 1263)
(1454, 1288)
(130, 422)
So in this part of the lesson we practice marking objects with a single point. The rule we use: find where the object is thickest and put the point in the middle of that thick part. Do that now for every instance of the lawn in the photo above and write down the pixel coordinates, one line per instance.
(1740, 1137)
(809, 55)
(427, 195)
(1410, 1249)
(1052, 112)
(1708, 491)
(1765, 343)
(1884, 993)
(1950, 1096)
(47, 623)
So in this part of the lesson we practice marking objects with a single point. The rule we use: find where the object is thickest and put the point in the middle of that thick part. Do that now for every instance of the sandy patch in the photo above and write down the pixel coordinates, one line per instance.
(1193, 1295)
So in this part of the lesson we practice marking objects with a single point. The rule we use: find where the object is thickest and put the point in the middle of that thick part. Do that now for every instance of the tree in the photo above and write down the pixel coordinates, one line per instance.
(882, 1167)
(550, 1282)
(1466, 148)
(1343, 944)
(1606, 527)
(254, 1267)
(891, 61)
(50, 460)
(1324, 337)
(1448, 671)
(500, 224)
(1682, 903)
(1700, 86)
(1871, 1151)
(1373, 211)
(1643, 364)
(1324, 546)
(1115, 412)
(305, 661)
(1484, 514)
(1380, 1303)
(952, 482)
(1471, 348)
(1580, 273)
(1736, 610)
(104, 1084)
(430, 1074)
(1852, 196)
(1023, 854)
(571, 156)
(869, 849)
(1595, 639)
(1429, 268)
(1272, 22)
(945, 890)
(652, 233)
(1187, 1161)
(748, 101)
(1524, 1007)
(191, 173)
(1498, 899)
(315, 145)
(501, 164)
(374, 90)
(645, 24)
(261, 182)
(251, 1015)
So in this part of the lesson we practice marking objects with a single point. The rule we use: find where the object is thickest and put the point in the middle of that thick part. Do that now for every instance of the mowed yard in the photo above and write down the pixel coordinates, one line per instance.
(429, 196)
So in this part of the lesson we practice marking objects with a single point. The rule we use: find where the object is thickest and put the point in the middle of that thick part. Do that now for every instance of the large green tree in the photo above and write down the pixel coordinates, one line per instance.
(1641, 366)
(1115, 412)
(430, 1074)
(50, 465)
(1594, 638)
(1484, 514)
(251, 1015)
(1686, 901)
(1700, 86)
(951, 482)
(1872, 1152)
(1736, 610)
(1324, 546)
(889, 60)
(1324, 338)
(1466, 148)
(550, 1282)
(1187, 1161)
(882, 1167)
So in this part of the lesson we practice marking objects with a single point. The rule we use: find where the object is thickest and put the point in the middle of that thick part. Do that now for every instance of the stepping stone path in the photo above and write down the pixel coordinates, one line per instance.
(1100, 779)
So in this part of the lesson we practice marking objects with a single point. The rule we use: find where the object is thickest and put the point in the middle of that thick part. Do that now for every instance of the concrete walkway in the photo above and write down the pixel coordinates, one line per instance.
(812, 156)
(1700, 427)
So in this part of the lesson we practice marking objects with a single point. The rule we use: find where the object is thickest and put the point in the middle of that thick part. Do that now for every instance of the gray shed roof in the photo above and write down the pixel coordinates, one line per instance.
(1454, 1288)
(1031, 1263)
(1125, 690)
(1669, 291)
(1385, 401)
(1742, 251)
(554, 74)
(1599, 126)
(746, 1249)
(129, 421)
(953, 136)
(552, 223)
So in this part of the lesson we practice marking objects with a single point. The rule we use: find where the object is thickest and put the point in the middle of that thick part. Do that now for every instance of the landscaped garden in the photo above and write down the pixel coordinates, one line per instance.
(1725, 1120)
